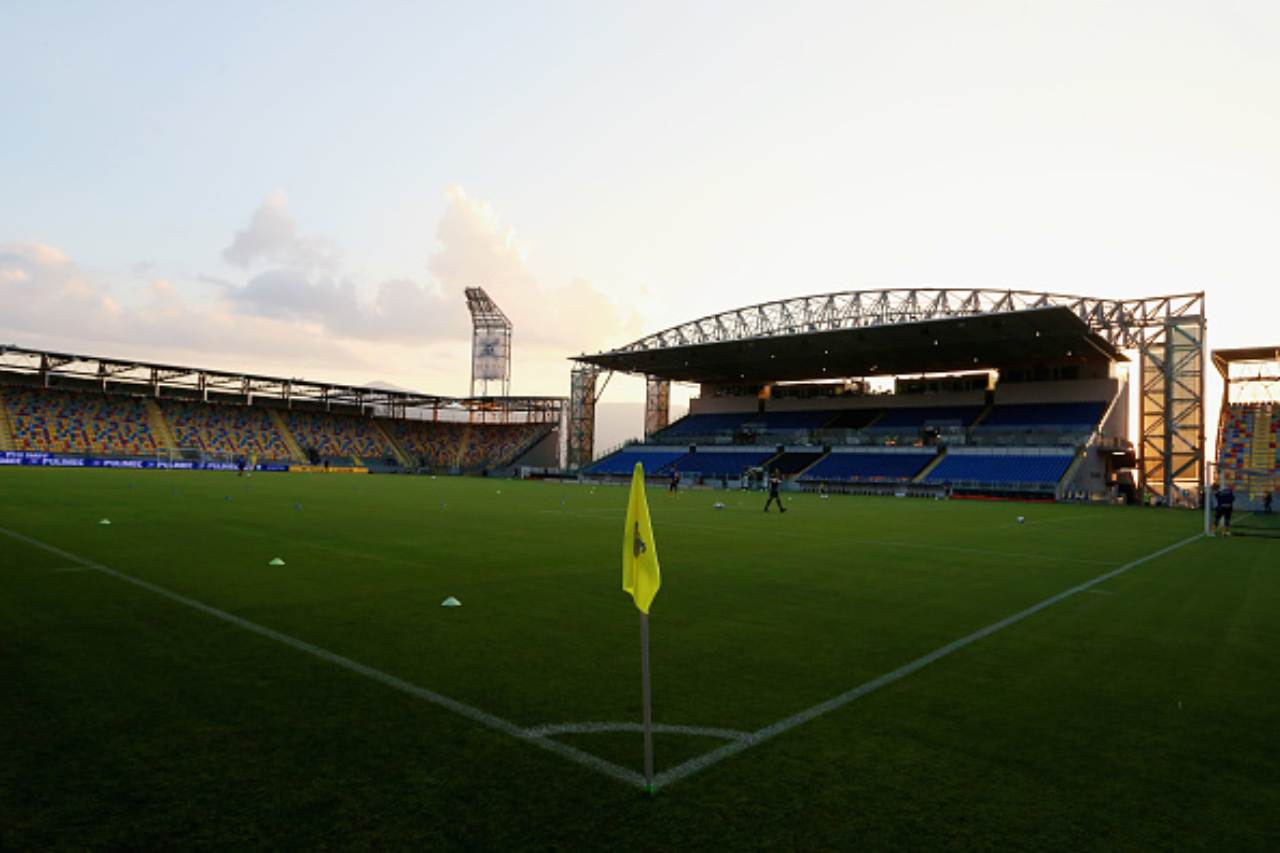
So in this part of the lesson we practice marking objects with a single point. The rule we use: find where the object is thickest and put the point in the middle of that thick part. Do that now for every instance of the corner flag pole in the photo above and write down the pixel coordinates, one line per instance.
(648, 702)
(641, 578)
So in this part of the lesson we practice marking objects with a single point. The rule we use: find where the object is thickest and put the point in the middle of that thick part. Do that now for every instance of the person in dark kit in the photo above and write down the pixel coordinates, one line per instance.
(674, 485)
(240, 466)
(1266, 502)
(775, 481)
(1224, 501)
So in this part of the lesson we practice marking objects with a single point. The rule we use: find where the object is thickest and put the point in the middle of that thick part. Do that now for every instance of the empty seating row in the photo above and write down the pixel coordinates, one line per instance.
(69, 422)
(927, 416)
(465, 446)
(793, 462)
(731, 464)
(334, 436)
(1000, 470)
(654, 460)
(1073, 416)
(868, 467)
(1051, 415)
(706, 424)
(233, 430)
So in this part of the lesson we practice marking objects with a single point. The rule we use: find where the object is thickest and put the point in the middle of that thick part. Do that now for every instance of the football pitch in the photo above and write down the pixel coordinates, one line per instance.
(872, 672)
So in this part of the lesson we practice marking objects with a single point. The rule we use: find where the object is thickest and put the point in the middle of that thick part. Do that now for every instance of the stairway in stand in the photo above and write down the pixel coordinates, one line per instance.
(160, 429)
(6, 427)
(401, 456)
(295, 450)
(1262, 456)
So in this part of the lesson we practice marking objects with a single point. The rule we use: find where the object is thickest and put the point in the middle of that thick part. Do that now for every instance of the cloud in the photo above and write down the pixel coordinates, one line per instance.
(477, 250)
(51, 302)
(474, 248)
(294, 310)
(400, 310)
(272, 238)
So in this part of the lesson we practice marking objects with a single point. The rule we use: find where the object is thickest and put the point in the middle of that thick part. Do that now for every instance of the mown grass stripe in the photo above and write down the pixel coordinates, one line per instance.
(462, 709)
(702, 762)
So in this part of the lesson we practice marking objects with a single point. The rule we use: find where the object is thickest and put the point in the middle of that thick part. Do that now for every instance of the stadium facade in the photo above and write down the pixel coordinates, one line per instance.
(995, 392)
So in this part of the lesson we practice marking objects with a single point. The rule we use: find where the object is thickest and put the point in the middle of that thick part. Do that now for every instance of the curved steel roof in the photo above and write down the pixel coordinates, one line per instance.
(896, 331)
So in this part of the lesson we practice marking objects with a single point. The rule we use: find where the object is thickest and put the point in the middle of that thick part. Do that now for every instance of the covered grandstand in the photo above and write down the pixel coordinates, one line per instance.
(62, 409)
(968, 392)
(1248, 457)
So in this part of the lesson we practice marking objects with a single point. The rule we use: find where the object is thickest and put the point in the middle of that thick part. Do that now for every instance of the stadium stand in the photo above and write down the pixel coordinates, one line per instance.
(883, 466)
(1023, 471)
(451, 445)
(6, 427)
(1237, 435)
(655, 460)
(230, 430)
(1249, 441)
(794, 461)
(1064, 416)
(710, 424)
(339, 439)
(854, 419)
(917, 418)
(787, 421)
(76, 422)
(730, 464)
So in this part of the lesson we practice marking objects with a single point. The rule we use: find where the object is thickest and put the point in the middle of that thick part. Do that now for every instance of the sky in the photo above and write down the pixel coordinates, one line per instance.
(306, 188)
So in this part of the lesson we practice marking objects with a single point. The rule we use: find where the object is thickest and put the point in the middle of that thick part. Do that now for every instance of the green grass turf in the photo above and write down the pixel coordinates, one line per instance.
(1141, 715)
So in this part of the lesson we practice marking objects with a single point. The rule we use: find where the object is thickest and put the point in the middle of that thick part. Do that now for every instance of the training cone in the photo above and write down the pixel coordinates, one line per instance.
(276, 562)
(105, 521)
(451, 602)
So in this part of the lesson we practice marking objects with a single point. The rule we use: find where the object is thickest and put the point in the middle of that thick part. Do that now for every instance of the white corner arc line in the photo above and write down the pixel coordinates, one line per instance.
(462, 709)
(702, 762)
(554, 729)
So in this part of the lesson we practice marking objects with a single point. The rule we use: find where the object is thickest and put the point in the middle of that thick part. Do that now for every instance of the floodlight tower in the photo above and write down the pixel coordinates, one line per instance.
(490, 344)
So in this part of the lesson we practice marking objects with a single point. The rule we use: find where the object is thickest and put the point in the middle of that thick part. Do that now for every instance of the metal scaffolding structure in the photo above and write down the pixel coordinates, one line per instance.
(490, 344)
(582, 417)
(657, 405)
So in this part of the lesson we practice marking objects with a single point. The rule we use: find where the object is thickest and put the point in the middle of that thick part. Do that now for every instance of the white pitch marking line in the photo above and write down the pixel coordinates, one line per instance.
(759, 736)
(659, 728)
(474, 714)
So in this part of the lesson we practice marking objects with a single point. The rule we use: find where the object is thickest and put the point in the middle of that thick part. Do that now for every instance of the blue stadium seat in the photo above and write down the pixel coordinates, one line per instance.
(841, 467)
(731, 464)
(783, 421)
(921, 417)
(1028, 415)
(707, 424)
(624, 461)
(1000, 470)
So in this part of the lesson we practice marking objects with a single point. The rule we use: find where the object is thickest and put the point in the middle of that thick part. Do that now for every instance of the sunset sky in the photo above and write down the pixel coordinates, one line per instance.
(307, 188)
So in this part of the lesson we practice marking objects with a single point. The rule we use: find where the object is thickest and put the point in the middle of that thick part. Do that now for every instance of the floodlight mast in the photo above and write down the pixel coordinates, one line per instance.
(490, 345)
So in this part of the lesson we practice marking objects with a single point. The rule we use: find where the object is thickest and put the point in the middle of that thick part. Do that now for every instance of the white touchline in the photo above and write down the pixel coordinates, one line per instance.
(474, 714)
(759, 736)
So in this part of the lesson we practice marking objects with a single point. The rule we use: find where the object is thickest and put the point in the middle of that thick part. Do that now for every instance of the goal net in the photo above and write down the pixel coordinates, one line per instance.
(1254, 514)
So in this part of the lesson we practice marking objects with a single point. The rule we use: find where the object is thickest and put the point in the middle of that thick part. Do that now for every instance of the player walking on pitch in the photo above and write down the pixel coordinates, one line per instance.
(1225, 501)
(775, 480)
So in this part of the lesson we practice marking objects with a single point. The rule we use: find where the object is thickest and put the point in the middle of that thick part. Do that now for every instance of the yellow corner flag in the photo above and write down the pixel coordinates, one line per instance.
(640, 574)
